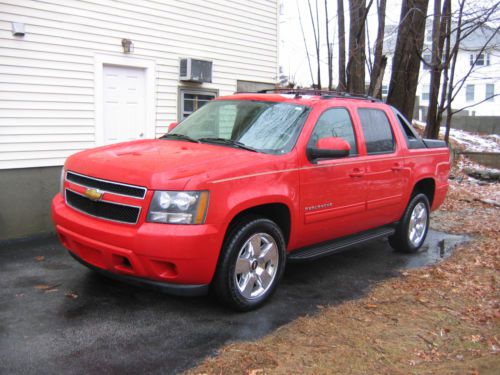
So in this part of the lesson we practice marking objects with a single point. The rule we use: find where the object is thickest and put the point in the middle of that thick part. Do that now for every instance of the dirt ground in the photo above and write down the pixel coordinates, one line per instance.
(442, 319)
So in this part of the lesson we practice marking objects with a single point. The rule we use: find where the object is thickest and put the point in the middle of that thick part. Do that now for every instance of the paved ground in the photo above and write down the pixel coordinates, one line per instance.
(58, 317)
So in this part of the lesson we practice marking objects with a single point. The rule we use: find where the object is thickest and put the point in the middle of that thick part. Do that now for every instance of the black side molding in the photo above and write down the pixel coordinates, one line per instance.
(434, 143)
(330, 247)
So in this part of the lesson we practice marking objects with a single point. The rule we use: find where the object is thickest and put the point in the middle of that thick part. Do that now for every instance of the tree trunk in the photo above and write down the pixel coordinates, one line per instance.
(406, 61)
(438, 36)
(305, 45)
(377, 87)
(446, 66)
(341, 25)
(356, 65)
(379, 45)
(316, 40)
(329, 49)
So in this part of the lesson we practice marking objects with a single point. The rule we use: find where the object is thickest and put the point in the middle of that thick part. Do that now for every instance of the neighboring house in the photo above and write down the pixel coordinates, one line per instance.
(482, 83)
(79, 74)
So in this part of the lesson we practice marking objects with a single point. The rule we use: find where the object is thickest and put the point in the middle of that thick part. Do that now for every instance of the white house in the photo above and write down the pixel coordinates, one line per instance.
(477, 93)
(78, 74)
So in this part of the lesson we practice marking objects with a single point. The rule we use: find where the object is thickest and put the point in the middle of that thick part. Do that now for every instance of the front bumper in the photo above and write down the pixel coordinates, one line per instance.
(174, 289)
(182, 257)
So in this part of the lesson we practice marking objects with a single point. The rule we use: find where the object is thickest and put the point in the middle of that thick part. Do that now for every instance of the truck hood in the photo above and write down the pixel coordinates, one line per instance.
(164, 164)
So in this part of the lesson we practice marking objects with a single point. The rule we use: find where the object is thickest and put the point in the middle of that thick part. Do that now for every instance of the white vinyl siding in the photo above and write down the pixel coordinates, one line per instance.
(47, 77)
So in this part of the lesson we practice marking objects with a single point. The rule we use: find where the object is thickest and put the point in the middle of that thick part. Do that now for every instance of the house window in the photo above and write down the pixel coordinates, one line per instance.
(479, 60)
(426, 92)
(469, 93)
(385, 90)
(427, 61)
(191, 100)
(490, 92)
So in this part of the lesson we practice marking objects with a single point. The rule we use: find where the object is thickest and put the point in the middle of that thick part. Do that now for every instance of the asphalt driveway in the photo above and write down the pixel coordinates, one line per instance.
(56, 316)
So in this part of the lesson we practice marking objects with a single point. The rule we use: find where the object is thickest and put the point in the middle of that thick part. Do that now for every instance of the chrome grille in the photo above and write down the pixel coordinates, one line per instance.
(107, 186)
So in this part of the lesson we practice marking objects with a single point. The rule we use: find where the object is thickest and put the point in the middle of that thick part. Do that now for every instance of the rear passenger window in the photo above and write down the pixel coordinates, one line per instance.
(377, 131)
(335, 122)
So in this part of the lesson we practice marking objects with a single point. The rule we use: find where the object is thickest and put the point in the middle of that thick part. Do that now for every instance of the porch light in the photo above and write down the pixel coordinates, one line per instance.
(128, 46)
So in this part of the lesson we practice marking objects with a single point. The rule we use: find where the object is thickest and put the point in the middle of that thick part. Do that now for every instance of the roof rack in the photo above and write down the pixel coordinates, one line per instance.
(324, 94)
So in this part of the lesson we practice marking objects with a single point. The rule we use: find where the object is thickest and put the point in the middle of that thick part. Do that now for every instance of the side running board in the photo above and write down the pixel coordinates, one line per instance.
(326, 248)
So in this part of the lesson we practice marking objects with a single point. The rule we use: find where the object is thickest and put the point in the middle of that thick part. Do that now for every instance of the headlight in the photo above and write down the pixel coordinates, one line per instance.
(178, 207)
(61, 181)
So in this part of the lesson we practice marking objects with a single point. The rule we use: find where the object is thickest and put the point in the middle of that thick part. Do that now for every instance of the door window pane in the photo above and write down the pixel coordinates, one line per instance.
(335, 122)
(377, 131)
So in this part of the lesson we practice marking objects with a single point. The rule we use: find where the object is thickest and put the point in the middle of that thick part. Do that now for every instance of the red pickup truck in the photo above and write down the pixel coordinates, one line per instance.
(245, 184)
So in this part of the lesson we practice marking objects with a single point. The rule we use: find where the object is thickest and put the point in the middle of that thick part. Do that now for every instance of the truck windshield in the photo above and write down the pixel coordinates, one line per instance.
(268, 127)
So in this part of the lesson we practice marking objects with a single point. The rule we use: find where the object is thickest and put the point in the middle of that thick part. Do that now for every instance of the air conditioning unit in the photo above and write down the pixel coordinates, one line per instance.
(196, 70)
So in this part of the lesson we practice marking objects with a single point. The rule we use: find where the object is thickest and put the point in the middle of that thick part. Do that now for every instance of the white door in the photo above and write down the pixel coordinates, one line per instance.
(124, 106)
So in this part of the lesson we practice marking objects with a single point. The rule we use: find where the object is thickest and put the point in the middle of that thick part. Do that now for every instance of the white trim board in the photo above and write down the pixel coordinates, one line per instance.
(128, 61)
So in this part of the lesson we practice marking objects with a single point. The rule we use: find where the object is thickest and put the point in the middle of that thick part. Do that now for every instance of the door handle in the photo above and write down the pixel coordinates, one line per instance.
(356, 172)
(397, 167)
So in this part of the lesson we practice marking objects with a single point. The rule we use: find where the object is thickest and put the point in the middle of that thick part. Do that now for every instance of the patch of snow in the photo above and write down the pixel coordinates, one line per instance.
(469, 141)
(474, 142)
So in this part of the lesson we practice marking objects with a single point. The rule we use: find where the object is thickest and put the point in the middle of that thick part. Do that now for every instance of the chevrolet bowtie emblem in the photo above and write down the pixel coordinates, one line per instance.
(94, 194)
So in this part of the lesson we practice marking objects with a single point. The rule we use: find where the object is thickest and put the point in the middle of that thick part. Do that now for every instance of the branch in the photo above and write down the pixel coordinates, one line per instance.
(305, 44)
(473, 105)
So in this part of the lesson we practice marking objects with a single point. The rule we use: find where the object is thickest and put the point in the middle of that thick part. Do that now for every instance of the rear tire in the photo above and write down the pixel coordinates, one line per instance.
(251, 265)
(412, 229)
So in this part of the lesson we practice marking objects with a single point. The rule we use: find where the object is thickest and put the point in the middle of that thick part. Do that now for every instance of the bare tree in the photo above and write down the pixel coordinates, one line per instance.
(329, 49)
(305, 45)
(355, 69)
(467, 23)
(316, 30)
(406, 61)
(439, 26)
(380, 61)
(341, 30)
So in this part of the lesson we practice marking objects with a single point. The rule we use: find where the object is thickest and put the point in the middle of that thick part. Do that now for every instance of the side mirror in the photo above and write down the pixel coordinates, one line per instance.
(172, 125)
(329, 148)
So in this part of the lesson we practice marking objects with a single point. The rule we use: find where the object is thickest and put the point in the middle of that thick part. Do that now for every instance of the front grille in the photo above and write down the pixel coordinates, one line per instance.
(104, 210)
(109, 186)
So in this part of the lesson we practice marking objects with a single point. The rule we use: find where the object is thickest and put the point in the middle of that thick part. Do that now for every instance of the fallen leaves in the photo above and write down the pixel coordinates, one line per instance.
(47, 288)
(72, 295)
(440, 319)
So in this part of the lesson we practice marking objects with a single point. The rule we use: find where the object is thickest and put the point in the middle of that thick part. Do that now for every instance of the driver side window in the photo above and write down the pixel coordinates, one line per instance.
(335, 122)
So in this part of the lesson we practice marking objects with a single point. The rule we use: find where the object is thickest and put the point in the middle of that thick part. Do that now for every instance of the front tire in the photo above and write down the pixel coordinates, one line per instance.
(413, 227)
(251, 265)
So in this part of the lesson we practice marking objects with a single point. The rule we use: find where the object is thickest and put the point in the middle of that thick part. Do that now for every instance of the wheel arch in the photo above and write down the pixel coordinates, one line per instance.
(426, 186)
(277, 212)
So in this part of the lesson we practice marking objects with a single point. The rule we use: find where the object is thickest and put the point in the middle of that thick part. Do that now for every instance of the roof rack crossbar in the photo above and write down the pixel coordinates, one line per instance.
(324, 94)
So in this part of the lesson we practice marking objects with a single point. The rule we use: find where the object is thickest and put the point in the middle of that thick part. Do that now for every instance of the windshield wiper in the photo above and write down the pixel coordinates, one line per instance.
(229, 142)
(180, 137)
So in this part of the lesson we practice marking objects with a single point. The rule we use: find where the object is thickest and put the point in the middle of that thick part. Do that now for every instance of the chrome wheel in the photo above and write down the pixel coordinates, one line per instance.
(418, 224)
(256, 265)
